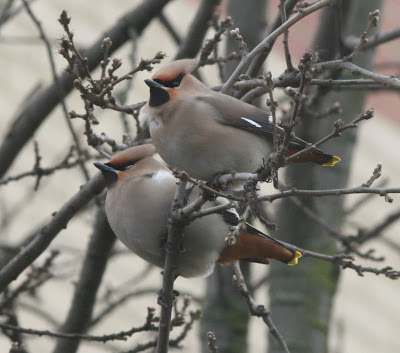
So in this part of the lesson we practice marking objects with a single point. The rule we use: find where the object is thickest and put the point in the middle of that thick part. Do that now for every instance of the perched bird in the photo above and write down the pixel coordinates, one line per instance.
(206, 133)
(140, 191)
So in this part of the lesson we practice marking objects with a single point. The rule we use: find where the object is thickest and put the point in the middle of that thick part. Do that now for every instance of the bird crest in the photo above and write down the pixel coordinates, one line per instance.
(131, 155)
(170, 71)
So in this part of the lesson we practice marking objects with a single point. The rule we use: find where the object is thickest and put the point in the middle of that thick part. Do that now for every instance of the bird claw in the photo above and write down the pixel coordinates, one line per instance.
(164, 246)
(162, 303)
(209, 195)
(213, 184)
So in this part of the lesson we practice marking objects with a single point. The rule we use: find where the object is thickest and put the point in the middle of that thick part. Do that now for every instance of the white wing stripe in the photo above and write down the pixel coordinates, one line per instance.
(251, 122)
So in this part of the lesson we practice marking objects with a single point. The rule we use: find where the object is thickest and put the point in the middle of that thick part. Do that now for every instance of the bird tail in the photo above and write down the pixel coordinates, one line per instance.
(315, 156)
(332, 161)
(254, 248)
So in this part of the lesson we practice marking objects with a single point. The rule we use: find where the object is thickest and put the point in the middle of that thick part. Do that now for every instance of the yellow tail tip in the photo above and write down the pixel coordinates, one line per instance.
(295, 260)
(333, 161)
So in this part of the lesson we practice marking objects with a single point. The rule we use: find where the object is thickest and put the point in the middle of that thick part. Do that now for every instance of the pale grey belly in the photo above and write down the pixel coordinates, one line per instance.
(141, 229)
(202, 243)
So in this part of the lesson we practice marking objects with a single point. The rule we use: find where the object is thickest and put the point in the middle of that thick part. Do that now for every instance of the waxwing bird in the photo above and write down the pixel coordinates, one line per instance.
(205, 133)
(140, 191)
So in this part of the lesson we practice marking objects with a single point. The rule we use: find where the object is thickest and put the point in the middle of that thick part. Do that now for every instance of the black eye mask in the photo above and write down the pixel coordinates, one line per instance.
(158, 95)
(122, 167)
(176, 82)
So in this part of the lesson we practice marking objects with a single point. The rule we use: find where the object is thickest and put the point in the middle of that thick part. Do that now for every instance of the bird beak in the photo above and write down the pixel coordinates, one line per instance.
(104, 168)
(109, 173)
(152, 84)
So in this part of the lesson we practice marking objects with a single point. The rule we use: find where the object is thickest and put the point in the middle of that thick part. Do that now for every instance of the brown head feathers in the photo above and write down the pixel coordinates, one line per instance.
(169, 72)
(131, 155)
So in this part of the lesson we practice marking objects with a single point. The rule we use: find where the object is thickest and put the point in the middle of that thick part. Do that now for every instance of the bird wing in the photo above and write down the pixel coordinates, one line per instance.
(231, 217)
(233, 112)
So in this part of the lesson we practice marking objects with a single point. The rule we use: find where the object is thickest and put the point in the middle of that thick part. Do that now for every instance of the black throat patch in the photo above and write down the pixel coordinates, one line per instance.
(158, 96)
(110, 178)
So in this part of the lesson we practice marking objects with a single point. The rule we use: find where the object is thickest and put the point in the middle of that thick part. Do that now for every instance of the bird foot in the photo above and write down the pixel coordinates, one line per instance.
(209, 195)
(162, 303)
(213, 184)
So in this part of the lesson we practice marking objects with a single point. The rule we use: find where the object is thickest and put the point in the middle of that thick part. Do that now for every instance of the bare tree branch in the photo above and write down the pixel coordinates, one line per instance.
(356, 70)
(43, 239)
(123, 335)
(93, 267)
(46, 41)
(373, 19)
(39, 171)
(378, 229)
(42, 104)
(172, 247)
(248, 58)
(374, 40)
(384, 192)
(193, 40)
(258, 61)
(282, 11)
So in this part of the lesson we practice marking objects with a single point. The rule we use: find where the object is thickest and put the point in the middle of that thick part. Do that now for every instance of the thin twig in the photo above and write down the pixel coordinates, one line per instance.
(40, 172)
(38, 108)
(356, 70)
(43, 239)
(378, 229)
(285, 41)
(356, 205)
(293, 80)
(299, 98)
(7, 12)
(123, 335)
(255, 309)
(384, 192)
(346, 261)
(248, 58)
(34, 279)
(375, 40)
(349, 242)
(60, 93)
(373, 19)
(356, 83)
(259, 60)
(210, 44)
(339, 127)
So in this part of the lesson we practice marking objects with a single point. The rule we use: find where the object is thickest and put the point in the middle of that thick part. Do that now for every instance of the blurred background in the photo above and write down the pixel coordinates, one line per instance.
(350, 313)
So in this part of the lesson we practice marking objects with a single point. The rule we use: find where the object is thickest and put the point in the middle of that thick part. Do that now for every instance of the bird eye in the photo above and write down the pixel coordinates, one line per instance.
(123, 167)
(176, 82)
(178, 79)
